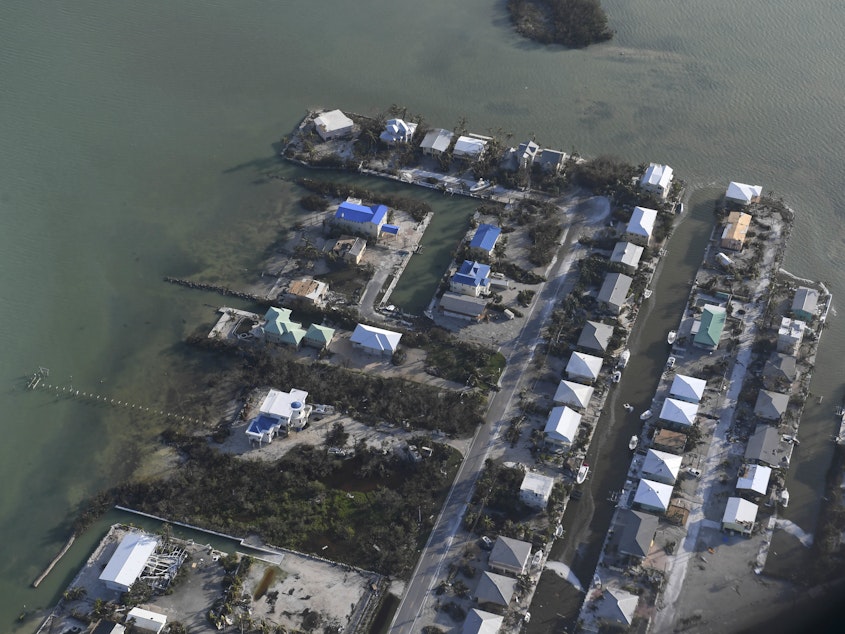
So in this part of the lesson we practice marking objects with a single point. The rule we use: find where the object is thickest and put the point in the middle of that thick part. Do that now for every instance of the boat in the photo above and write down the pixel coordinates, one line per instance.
(582, 473)
(527, 617)
(628, 407)
(646, 415)
(616, 376)
(670, 338)
(623, 358)
(647, 293)
(481, 185)
(679, 208)
(784, 498)
(632, 444)
(670, 362)
(559, 531)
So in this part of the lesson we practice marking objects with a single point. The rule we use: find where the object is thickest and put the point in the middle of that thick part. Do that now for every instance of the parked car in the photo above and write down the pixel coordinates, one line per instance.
(486, 543)
(695, 473)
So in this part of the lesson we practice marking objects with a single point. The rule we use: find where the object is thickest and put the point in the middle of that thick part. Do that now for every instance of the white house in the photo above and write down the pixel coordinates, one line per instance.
(743, 194)
(739, 516)
(627, 254)
(641, 226)
(679, 412)
(687, 388)
(469, 147)
(495, 589)
(536, 489)
(583, 366)
(562, 426)
(754, 478)
(661, 466)
(653, 496)
(375, 341)
(436, 142)
(657, 179)
(472, 278)
(595, 336)
(790, 335)
(616, 606)
(481, 622)
(145, 620)
(285, 410)
(128, 561)
(333, 125)
(573, 394)
(398, 131)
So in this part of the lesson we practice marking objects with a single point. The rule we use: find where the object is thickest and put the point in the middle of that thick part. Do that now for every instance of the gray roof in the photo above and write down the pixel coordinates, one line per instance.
(627, 253)
(771, 405)
(764, 445)
(481, 622)
(595, 336)
(615, 289)
(510, 553)
(637, 532)
(617, 606)
(463, 304)
(806, 300)
(550, 159)
(780, 367)
(493, 588)
(437, 139)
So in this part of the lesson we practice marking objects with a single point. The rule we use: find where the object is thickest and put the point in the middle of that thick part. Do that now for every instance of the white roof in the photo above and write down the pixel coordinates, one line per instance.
(755, 477)
(481, 622)
(128, 561)
(144, 619)
(655, 495)
(680, 412)
(642, 222)
(617, 605)
(743, 193)
(375, 338)
(538, 484)
(662, 465)
(688, 388)
(657, 176)
(574, 394)
(627, 253)
(562, 424)
(280, 404)
(584, 366)
(333, 120)
(739, 511)
(437, 139)
(468, 146)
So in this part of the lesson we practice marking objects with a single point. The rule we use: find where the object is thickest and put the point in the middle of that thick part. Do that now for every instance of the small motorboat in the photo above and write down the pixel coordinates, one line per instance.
(784, 498)
(582, 473)
(628, 407)
(670, 362)
(647, 293)
(616, 376)
(679, 208)
(646, 415)
(480, 186)
(623, 358)
(670, 338)
(632, 444)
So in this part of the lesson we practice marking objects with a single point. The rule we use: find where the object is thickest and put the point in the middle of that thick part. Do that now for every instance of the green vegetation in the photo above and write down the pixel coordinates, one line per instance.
(465, 363)
(331, 189)
(572, 23)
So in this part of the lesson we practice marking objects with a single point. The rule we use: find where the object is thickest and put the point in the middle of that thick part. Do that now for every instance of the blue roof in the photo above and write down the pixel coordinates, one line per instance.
(390, 229)
(472, 273)
(262, 424)
(485, 237)
(354, 212)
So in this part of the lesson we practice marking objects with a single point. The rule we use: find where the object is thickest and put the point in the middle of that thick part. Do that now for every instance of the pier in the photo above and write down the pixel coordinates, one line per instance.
(221, 290)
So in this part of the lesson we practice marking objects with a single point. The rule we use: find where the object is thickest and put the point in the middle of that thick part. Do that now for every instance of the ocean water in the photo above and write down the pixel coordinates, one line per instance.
(135, 136)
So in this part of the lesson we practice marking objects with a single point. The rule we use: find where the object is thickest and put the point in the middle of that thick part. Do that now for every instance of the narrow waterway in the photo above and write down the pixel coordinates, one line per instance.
(556, 602)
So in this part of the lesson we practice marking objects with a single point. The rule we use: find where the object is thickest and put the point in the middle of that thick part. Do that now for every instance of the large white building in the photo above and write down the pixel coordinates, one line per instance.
(562, 426)
(146, 620)
(333, 125)
(536, 489)
(375, 341)
(743, 194)
(641, 226)
(128, 561)
(279, 411)
(657, 179)
(739, 516)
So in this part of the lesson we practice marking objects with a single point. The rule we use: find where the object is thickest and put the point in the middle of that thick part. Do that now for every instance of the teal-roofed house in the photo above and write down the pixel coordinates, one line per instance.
(710, 327)
(318, 336)
(279, 328)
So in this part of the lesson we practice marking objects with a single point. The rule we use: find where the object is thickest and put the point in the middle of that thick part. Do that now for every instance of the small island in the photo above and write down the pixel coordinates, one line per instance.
(572, 23)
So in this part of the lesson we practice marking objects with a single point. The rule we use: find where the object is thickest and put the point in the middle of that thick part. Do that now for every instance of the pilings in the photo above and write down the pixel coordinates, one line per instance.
(222, 290)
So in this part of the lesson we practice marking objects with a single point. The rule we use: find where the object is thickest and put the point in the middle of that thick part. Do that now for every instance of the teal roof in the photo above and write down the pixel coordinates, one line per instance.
(320, 334)
(293, 336)
(712, 325)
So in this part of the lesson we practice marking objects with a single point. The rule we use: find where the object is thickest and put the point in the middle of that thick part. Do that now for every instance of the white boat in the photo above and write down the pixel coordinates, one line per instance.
(481, 185)
(582, 473)
(527, 617)
(616, 376)
(646, 415)
(670, 338)
(623, 358)
(784, 498)
(679, 208)
(632, 444)
(670, 362)
(628, 407)
(647, 293)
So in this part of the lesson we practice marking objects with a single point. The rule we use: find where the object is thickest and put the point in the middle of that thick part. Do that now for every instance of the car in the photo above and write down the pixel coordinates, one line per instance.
(486, 543)
(695, 473)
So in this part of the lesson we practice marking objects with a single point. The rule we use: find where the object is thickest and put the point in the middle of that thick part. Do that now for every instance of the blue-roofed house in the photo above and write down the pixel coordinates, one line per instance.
(355, 217)
(485, 238)
(472, 278)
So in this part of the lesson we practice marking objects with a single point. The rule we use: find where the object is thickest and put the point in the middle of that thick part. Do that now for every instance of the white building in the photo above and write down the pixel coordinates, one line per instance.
(583, 366)
(562, 426)
(397, 131)
(128, 561)
(679, 412)
(469, 147)
(641, 226)
(739, 516)
(333, 125)
(146, 621)
(481, 622)
(687, 388)
(375, 341)
(743, 194)
(436, 142)
(287, 408)
(657, 179)
(573, 394)
(661, 466)
(790, 335)
(754, 478)
(627, 254)
(536, 489)
(653, 496)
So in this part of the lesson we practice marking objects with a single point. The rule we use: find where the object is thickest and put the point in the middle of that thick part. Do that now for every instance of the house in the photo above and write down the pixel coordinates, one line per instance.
(510, 556)
(754, 478)
(350, 249)
(805, 304)
(495, 589)
(627, 254)
(742, 194)
(279, 328)
(616, 607)
(471, 278)
(398, 131)
(653, 496)
(708, 328)
(287, 408)
(526, 153)
(469, 147)
(333, 125)
(550, 161)
(657, 179)
(573, 394)
(562, 426)
(264, 428)
(146, 620)
(318, 336)
(107, 627)
(583, 366)
(641, 226)
(436, 142)
(635, 532)
(595, 336)
(481, 622)
(771, 405)
(687, 388)
(668, 440)
(790, 335)
(536, 489)
(614, 291)
(680, 413)
(485, 238)
(306, 292)
(739, 516)
(375, 341)
(660, 466)
(128, 561)
(353, 216)
(736, 230)
(462, 306)
(764, 447)
(780, 372)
